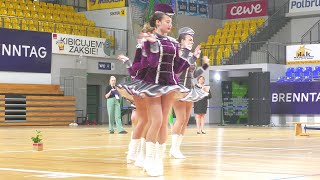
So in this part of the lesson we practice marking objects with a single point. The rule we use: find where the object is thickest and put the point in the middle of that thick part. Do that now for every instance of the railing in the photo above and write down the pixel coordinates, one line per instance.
(257, 52)
(118, 37)
(312, 35)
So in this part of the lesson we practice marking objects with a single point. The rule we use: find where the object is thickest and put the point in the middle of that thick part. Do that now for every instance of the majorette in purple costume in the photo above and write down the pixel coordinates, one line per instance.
(187, 76)
(159, 64)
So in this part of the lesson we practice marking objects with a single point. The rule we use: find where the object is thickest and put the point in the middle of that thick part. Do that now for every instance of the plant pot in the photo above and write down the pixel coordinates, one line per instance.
(38, 146)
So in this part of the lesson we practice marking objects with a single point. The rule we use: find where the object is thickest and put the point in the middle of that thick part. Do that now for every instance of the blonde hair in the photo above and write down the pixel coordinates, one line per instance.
(147, 28)
(112, 78)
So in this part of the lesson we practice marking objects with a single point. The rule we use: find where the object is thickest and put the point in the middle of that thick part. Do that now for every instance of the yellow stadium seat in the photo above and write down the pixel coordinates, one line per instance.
(91, 23)
(218, 32)
(56, 18)
(34, 15)
(260, 22)
(42, 16)
(70, 19)
(77, 21)
(253, 22)
(50, 6)
(227, 24)
(9, 5)
(82, 16)
(67, 28)
(43, 4)
(85, 23)
(27, 14)
(17, 6)
(231, 33)
(216, 40)
(19, 13)
(96, 32)
(33, 28)
(29, 2)
(244, 38)
(23, 6)
(2, 5)
(235, 47)
(48, 29)
(49, 17)
(233, 26)
(229, 40)
(3, 11)
(70, 8)
(226, 53)
(24, 25)
(31, 7)
(224, 35)
(7, 23)
(223, 41)
(40, 10)
(56, 6)
(15, 21)
(64, 7)
(90, 31)
(41, 29)
(11, 12)
(63, 18)
(51, 25)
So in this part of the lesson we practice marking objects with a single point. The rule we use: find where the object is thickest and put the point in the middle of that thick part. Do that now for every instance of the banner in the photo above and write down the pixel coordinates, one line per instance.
(247, 9)
(295, 98)
(80, 45)
(303, 54)
(111, 18)
(100, 4)
(296, 6)
(193, 7)
(25, 51)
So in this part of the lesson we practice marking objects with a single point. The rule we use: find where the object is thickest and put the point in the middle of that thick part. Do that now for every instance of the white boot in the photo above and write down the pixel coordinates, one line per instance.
(175, 149)
(132, 150)
(160, 150)
(174, 140)
(179, 153)
(149, 162)
(141, 154)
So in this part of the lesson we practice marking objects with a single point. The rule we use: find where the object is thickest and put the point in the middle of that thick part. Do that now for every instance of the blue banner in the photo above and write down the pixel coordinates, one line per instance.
(295, 98)
(105, 66)
(193, 7)
(25, 51)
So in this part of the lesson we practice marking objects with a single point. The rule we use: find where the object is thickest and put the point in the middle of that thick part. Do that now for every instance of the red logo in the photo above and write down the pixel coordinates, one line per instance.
(247, 9)
(54, 36)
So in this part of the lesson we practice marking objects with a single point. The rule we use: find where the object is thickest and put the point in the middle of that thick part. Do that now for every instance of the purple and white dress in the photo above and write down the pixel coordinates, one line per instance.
(187, 77)
(163, 64)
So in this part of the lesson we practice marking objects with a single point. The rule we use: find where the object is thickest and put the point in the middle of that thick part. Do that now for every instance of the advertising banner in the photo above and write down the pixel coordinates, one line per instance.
(193, 7)
(100, 4)
(247, 9)
(25, 51)
(303, 54)
(295, 98)
(297, 6)
(80, 45)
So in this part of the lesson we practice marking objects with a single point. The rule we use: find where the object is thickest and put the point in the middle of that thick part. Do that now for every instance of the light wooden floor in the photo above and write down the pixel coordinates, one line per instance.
(89, 152)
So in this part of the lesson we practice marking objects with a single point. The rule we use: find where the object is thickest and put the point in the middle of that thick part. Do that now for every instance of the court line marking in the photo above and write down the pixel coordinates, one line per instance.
(54, 174)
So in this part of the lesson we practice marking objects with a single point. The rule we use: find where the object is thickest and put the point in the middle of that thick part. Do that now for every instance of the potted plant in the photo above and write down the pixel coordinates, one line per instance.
(37, 144)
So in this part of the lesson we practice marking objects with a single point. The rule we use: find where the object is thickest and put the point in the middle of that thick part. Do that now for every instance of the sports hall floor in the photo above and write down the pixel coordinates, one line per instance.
(90, 152)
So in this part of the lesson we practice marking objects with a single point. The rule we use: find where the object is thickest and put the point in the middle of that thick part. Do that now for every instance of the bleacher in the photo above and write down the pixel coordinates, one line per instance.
(300, 74)
(227, 40)
(47, 17)
(35, 104)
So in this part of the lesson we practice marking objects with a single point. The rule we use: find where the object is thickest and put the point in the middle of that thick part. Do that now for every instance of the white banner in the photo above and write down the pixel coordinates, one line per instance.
(297, 6)
(111, 18)
(303, 54)
(80, 45)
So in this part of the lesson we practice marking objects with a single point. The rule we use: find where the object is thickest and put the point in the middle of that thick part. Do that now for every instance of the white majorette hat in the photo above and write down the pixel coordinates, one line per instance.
(186, 30)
